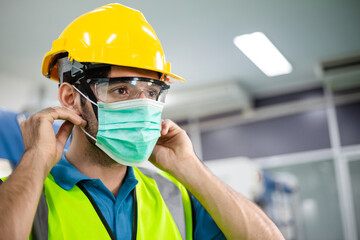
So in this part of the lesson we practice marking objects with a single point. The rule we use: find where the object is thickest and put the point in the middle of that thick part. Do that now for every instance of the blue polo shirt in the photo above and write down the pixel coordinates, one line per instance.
(118, 210)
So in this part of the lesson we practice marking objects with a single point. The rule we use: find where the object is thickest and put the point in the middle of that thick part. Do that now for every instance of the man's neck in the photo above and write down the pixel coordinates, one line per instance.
(94, 163)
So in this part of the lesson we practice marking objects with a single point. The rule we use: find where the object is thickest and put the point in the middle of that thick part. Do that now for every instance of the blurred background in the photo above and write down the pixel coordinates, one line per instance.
(291, 142)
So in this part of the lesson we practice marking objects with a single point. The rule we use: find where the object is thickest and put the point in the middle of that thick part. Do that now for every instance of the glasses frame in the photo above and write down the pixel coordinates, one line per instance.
(163, 86)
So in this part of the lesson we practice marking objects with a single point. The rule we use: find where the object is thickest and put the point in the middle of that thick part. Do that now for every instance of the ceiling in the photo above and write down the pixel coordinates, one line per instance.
(197, 37)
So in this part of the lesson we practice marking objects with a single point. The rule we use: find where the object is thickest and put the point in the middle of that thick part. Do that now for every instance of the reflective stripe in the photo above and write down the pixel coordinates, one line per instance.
(40, 225)
(172, 198)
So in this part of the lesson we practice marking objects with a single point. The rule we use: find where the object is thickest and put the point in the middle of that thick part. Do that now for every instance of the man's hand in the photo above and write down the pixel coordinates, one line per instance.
(20, 193)
(174, 150)
(237, 217)
(39, 136)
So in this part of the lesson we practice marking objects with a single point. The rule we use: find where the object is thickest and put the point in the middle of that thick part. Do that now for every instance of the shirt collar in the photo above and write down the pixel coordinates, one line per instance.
(67, 175)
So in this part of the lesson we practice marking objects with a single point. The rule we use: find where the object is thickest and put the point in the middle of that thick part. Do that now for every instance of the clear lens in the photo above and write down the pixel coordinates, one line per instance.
(111, 90)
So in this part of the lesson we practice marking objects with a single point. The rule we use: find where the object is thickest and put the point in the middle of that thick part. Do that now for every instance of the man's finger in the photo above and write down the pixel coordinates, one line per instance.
(165, 126)
(62, 113)
(64, 133)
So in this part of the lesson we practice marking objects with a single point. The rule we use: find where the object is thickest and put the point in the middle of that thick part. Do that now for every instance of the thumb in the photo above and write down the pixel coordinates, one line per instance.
(63, 134)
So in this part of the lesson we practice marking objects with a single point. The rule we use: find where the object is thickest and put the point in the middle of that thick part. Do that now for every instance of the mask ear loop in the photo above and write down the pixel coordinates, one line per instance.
(88, 134)
(86, 97)
(93, 104)
(86, 86)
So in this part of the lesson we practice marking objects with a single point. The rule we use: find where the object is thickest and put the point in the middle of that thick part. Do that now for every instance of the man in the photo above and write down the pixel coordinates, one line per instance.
(113, 82)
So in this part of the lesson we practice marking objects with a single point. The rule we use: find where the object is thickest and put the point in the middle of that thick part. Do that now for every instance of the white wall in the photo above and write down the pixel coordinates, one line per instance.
(21, 94)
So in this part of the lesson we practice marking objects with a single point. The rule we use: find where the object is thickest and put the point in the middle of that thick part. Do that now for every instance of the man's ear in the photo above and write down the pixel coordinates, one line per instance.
(69, 97)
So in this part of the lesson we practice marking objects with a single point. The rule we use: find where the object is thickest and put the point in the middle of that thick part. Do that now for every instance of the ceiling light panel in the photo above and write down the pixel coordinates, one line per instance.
(258, 48)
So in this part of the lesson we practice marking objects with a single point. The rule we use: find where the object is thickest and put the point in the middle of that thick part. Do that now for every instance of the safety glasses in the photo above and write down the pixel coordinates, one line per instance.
(109, 90)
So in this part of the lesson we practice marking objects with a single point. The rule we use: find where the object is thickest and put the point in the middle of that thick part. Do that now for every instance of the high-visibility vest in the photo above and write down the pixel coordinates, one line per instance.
(162, 210)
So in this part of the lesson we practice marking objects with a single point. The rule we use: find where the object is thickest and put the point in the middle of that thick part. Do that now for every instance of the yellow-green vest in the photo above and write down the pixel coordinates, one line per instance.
(162, 204)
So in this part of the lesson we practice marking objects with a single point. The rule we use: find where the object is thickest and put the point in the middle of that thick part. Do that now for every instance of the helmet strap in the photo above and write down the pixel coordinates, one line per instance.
(74, 72)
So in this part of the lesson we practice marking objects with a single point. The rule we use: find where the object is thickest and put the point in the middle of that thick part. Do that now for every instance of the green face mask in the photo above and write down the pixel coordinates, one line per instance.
(128, 130)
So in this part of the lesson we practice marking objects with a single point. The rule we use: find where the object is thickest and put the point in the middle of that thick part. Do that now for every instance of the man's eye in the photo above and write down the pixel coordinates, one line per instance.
(120, 90)
(153, 93)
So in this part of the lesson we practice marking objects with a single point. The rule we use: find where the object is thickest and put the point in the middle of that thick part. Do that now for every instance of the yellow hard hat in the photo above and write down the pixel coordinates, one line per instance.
(112, 34)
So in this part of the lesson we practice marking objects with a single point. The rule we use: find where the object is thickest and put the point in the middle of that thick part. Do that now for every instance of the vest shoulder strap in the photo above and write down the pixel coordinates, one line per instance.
(176, 199)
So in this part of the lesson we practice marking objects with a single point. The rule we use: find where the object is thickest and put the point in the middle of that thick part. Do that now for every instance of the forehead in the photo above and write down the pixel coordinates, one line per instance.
(118, 71)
